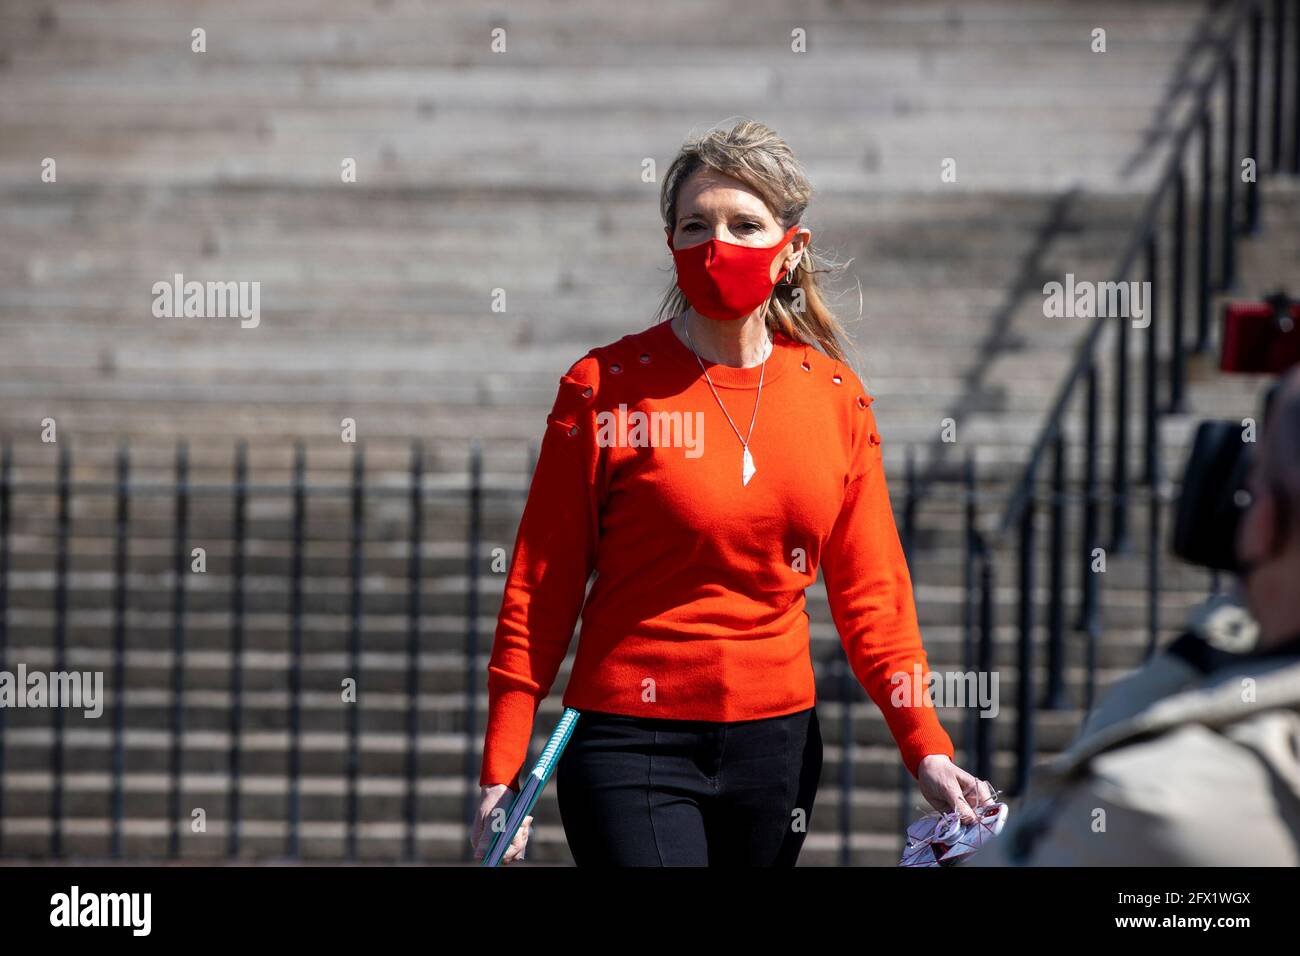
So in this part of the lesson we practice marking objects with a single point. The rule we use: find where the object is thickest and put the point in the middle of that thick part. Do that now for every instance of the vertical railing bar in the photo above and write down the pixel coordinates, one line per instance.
(1090, 537)
(1295, 90)
(1119, 466)
(1177, 348)
(413, 653)
(969, 559)
(984, 733)
(472, 542)
(120, 533)
(180, 564)
(1025, 687)
(294, 829)
(909, 545)
(60, 647)
(1055, 696)
(1152, 458)
(970, 563)
(238, 530)
(1204, 229)
(1276, 97)
(846, 694)
(1154, 547)
(1089, 617)
(1256, 21)
(1231, 170)
(1151, 390)
(6, 512)
(354, 652)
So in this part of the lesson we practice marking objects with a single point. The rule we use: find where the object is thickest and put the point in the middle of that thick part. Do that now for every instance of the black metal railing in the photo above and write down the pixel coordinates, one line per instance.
(1160, 226)
(242, 495)
(240, 504)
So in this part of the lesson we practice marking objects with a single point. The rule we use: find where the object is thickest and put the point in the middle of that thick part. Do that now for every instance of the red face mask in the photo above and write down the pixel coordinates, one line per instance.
(724, 280)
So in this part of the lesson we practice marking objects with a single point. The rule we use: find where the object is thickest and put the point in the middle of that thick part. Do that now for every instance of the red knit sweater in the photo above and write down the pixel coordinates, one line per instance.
(697, 608)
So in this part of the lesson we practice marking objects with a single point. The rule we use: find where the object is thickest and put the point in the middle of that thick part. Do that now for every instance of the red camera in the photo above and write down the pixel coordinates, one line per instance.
(1261, 337)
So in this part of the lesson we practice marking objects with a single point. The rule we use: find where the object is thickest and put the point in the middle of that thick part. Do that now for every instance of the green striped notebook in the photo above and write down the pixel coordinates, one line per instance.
(532, 789)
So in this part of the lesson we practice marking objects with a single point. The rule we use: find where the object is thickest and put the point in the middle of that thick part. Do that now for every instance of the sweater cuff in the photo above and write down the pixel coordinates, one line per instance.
(509, 730)
(920, 737)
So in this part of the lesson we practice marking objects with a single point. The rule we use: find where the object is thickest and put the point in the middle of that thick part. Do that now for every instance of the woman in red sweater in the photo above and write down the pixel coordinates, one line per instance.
(705, 468)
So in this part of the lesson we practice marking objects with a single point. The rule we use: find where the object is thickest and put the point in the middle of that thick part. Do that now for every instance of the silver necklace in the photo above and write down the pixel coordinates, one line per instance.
(747, 468)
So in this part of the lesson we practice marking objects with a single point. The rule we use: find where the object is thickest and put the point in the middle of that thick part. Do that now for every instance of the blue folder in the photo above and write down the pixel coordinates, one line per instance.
(532, 789)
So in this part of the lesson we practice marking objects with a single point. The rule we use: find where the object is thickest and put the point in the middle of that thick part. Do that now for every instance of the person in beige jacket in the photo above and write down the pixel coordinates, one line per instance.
(1194, 760)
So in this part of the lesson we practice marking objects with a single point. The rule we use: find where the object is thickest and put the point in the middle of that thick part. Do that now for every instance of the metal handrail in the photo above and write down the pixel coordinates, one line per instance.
(1138, 238)
(1143, 243)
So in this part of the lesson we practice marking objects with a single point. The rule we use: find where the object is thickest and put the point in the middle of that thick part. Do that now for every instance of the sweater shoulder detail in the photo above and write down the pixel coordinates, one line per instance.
(851, 398)
(622, 357)
(834, 374)
(576, 396)
(592, 382)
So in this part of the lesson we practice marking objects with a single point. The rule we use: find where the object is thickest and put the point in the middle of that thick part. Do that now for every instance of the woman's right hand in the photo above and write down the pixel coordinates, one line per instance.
(482, 833)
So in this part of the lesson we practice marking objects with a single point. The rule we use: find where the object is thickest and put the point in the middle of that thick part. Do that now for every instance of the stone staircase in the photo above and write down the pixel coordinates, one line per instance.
(518, 171)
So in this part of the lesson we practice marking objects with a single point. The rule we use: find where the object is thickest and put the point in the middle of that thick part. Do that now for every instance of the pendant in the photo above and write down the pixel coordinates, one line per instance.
(747, 469)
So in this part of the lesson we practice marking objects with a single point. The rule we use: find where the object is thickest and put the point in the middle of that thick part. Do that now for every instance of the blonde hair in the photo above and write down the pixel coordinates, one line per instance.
(754, 154)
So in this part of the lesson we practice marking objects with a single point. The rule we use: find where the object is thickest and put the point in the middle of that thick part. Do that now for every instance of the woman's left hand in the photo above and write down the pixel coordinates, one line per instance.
(947, 787)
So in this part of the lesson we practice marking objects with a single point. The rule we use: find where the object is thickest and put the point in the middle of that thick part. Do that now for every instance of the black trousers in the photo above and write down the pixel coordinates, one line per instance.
(636, 791)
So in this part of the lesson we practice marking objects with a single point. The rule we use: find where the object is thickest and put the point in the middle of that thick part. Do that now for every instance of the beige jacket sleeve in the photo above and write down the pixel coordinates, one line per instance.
(1190, 797)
